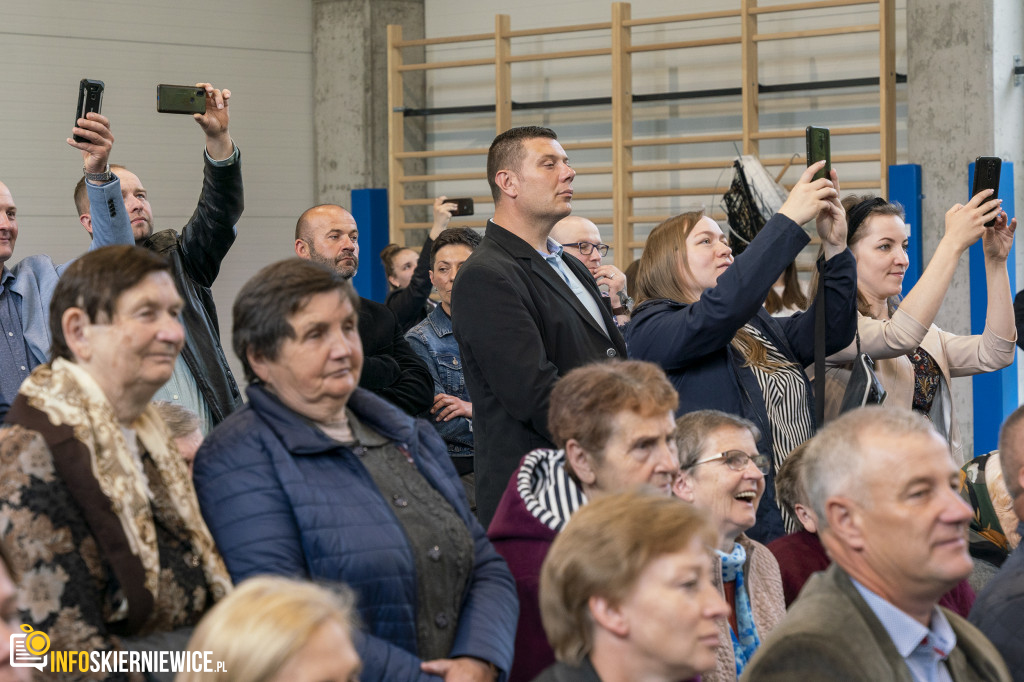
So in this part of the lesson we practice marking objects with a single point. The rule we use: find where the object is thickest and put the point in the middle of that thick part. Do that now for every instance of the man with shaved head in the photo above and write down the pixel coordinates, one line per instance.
(884, 489)
(999, 609)
(581, 238)
(328, 234)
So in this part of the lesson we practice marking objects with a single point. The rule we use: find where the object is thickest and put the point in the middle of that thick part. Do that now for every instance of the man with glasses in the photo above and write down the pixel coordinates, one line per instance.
(581, 238)
(722, 472)
(612, 424)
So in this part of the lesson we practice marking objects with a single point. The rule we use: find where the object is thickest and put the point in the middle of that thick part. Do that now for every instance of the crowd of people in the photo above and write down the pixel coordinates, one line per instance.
(534, 476)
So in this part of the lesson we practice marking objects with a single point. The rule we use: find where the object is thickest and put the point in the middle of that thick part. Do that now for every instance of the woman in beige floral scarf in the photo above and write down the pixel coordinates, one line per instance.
(95, 501)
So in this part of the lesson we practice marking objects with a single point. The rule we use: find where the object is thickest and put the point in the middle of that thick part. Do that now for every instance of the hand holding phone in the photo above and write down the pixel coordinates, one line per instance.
(986, 176)
(90, 99)
(819, 148)
(180, 99)
(462, 206)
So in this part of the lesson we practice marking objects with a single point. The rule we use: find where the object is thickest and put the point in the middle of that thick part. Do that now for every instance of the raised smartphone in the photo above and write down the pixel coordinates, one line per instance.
(90, 98)
(180, 99)
(819, 147)
(986, 176)
(462, 206)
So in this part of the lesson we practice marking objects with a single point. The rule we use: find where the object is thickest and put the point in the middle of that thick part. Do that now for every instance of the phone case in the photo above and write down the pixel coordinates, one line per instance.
(818, 148)
(90, 99)
(986, 176)
(180, 99)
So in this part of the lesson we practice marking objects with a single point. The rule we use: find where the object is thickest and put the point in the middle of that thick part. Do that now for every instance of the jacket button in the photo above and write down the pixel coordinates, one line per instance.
(191, 560)
(434, 553)
(610, 352)
(400, 501)
(441, 621)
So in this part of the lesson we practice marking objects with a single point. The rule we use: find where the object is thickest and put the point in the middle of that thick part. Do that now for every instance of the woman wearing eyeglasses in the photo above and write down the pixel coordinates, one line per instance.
(722, 472)
(699, 316)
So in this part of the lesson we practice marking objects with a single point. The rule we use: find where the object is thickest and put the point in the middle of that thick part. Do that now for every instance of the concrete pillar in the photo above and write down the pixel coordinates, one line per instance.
(961, 104)
(350, 98)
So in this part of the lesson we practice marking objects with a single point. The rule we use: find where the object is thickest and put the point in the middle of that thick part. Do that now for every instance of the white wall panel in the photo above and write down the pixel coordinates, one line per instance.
(260, 49)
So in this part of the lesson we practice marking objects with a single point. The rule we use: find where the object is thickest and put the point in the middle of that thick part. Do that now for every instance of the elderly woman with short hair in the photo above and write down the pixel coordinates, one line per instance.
(95, 501)
(317, 478)
(626, 592)
(723, 473)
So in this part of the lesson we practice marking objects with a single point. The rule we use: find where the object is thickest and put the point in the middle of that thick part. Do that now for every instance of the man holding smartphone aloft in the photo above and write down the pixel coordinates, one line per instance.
(26, 289)
(202, 379)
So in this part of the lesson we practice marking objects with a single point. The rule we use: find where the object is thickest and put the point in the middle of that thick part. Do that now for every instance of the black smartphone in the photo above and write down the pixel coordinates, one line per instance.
(986, 176)
(90, 98)
(819, 147)
(462, 206)
(180, 99)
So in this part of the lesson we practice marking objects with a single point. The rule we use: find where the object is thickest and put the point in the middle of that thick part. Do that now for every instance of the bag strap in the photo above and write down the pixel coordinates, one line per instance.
(819, 346)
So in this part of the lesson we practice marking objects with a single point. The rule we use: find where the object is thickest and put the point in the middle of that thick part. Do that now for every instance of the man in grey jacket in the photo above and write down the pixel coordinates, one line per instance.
(884, 487)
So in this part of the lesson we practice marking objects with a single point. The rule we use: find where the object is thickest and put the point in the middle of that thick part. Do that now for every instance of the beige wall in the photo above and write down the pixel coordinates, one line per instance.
(259, 49)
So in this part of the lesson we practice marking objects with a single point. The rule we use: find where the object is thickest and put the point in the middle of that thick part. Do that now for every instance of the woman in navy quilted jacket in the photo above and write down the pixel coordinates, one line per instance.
(319, 479)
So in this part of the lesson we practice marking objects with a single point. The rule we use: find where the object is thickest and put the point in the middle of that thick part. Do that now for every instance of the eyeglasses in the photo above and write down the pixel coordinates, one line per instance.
(737, 460)
(586, 248)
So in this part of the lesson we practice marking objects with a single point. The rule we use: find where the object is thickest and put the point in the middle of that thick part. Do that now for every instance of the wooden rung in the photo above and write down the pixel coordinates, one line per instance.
(683, 44)
(435, 153)
(447, 65)
(416, 42)
(817, 32)
(567, 54)
(851, 184)
(592, 170)
(677, 192)
(576, 28)
(569, 146)
(847, 130)
(456, 222)
(820, 4)
(699, 16)
(684, 165)
(836, 159)
(685, 139)
(430, 202)
(444, 177)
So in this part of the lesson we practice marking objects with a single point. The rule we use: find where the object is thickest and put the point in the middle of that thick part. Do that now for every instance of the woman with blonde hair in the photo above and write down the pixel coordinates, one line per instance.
(699, 315)
(274, 629)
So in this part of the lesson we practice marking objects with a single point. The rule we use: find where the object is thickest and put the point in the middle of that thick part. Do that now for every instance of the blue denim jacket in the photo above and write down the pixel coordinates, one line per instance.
(432, 339)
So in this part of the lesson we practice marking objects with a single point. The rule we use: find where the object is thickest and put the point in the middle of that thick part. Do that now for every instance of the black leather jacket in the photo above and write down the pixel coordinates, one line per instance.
(195, 256)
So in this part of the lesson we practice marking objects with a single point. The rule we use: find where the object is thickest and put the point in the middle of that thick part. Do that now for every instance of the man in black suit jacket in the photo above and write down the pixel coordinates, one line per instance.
(327, 234)
(523, 312)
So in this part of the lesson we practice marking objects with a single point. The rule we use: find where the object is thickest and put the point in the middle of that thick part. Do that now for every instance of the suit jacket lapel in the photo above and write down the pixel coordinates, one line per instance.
(521, 250)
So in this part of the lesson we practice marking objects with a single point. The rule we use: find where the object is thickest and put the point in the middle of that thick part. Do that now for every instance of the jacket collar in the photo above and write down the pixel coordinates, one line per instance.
(439, 320)
(518, 248)
(300, 435)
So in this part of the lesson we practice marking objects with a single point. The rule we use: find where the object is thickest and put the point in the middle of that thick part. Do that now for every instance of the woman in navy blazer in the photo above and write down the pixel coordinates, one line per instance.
(699, 315)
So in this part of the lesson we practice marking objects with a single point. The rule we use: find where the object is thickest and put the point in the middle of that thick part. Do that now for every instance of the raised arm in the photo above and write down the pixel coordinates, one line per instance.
(107, 220)
(965, 224)
(210, 232)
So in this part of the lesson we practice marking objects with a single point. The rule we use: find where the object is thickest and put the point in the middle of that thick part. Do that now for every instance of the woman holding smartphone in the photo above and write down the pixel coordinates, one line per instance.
(699, 315)
(913, 358)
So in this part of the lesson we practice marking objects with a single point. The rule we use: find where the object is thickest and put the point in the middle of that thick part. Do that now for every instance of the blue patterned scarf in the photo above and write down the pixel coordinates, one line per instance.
(746, 641)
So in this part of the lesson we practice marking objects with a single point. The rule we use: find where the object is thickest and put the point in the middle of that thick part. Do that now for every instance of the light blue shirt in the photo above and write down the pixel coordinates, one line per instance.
(554, 259)
(923, 649)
